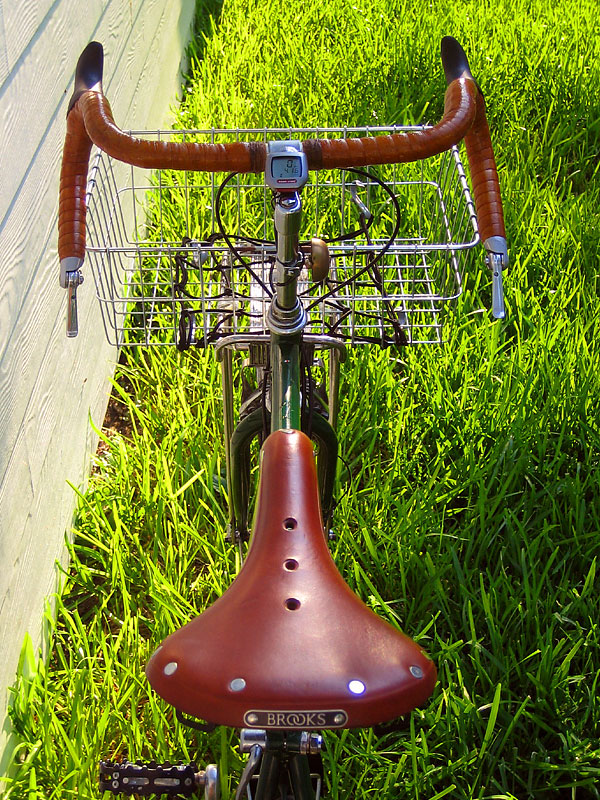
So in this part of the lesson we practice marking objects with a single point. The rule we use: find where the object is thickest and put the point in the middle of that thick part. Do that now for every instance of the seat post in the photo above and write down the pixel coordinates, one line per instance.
(285, 751)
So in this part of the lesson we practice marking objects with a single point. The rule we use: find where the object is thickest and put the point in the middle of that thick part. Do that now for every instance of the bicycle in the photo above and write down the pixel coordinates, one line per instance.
(289, 306)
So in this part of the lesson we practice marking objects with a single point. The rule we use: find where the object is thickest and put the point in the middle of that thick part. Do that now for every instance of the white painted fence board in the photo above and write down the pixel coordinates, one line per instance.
(37, 197)
(28, 108)
(22, 21)
(4, 70)
(50, 386)
(28, 291)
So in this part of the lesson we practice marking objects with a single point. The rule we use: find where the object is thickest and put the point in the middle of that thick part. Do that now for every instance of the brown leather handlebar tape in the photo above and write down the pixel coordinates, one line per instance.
(73, 183)
(459, 114)
(230, 157)
(484, 176)
(90, 120)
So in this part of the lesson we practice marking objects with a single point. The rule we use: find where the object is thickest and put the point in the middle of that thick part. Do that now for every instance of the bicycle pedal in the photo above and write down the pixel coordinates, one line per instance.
(183, 780)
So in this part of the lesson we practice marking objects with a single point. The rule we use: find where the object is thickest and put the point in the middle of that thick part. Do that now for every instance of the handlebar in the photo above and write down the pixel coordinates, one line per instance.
(90, 121)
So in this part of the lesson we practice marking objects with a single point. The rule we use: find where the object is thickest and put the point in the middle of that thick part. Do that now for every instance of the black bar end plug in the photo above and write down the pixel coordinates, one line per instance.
(88, 73)
(454, 60)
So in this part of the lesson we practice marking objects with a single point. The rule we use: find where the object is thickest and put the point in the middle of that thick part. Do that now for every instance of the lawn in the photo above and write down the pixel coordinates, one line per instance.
(469, 510)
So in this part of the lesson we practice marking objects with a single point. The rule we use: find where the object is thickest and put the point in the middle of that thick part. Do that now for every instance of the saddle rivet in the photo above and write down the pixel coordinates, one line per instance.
(237, 685)
(356, 687)
(416, 672)
(170, 668)
(252, 719)
(339, 719)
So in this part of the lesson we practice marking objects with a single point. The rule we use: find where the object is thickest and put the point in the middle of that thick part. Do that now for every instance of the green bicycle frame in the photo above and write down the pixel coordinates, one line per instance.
(286, 318)
(285, 382)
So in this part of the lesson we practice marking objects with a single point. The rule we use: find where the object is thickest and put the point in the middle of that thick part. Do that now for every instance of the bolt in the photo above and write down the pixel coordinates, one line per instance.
(315, 742)
(200, 777)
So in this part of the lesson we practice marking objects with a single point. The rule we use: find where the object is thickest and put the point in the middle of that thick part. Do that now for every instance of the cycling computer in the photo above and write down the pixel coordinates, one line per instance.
(286, 168)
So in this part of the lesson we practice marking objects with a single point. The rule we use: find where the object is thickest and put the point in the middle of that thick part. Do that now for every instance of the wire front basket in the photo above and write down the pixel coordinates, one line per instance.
(179, 259)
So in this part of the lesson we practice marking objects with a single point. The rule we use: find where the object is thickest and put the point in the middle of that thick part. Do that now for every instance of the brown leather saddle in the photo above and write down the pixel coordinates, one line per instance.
(289, 645)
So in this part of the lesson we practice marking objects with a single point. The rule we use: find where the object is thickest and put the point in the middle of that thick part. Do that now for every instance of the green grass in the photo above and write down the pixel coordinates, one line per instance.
(473, 518)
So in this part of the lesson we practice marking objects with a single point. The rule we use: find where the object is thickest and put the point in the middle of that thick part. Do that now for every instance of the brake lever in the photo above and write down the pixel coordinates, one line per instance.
(497, 260)
(73, 280)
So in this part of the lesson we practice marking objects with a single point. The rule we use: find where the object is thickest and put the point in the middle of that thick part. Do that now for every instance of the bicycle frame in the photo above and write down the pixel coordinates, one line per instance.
(281, 354)
(286, 318)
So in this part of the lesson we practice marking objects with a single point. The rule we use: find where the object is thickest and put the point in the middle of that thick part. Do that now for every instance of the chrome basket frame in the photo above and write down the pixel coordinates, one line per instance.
(163, 278)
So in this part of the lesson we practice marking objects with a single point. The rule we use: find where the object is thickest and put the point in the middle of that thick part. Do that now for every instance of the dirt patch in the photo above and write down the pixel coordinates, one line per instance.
(117, 420)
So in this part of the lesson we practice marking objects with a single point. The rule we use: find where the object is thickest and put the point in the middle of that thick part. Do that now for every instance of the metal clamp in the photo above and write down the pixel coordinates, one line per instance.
(250, 737)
